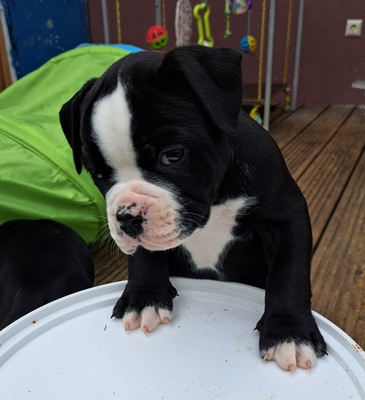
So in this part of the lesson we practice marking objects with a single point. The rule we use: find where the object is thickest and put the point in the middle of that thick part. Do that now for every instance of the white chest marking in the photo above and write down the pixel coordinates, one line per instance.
(111, 123)
(206, 245)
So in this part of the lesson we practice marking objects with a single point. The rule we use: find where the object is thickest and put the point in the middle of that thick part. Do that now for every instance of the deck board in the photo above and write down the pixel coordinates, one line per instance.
(111, 265)
(284, 131)
(324, 149)
(338, 268)
(325, 178)
(301, 152)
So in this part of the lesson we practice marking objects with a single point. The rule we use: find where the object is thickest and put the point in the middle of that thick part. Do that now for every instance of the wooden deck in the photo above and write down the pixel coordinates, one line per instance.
(324, 147)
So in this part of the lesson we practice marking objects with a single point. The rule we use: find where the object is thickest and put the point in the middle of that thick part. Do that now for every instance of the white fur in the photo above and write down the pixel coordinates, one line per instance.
(148, 319)
(288, 356)
(206, 245)
(111, 121)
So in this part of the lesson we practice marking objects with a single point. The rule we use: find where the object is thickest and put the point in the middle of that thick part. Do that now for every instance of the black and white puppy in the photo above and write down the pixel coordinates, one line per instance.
(196, 188)
(40, 261)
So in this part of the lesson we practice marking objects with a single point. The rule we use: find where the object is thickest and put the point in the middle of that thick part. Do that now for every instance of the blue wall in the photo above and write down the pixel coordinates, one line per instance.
(41, 29)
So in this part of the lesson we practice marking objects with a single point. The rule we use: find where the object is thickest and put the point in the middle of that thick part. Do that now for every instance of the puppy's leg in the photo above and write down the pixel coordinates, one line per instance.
(147, 299)
(288, 332)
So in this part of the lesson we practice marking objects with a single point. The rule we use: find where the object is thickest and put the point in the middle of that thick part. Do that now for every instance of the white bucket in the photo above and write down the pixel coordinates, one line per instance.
(71, 349)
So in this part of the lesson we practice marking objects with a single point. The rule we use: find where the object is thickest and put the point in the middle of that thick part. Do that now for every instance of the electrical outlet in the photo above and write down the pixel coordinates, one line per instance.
(353, 27)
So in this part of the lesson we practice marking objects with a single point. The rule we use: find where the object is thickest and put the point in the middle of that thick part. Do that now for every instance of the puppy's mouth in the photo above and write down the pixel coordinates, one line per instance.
(143, 214)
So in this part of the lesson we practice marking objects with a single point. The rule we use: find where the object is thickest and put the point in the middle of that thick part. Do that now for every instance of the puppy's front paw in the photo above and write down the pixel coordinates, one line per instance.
(145, 306)
(291, 341)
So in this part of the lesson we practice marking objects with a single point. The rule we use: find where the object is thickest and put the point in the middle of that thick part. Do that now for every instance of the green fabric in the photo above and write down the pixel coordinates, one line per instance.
(37, 174)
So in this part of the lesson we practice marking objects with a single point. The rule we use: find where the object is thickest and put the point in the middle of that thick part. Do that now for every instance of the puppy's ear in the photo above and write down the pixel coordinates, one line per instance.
(71, 116)
(214, 75)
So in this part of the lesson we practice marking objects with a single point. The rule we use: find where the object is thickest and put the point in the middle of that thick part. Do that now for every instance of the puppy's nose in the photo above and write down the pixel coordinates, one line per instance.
(130, 224)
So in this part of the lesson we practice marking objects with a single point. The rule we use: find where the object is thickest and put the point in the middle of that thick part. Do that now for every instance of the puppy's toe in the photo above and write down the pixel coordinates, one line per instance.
(289, 355)
(148, 319)
(306, 356)
(131, 320)
(153, 316)
(285, 356)
(165, 315)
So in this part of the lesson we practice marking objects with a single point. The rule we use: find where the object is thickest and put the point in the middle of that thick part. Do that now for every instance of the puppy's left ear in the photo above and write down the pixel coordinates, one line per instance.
(71, 116)
(214, 75)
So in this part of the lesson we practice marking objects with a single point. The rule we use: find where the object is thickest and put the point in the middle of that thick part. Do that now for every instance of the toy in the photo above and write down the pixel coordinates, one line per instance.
(227, 11)
(255, 114)
(183, 22)
(239, 7)
(248, 44)
(205, 37)
(157, 37)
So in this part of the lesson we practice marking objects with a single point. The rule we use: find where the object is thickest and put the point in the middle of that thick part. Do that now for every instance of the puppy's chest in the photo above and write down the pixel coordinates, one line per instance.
(207, 247)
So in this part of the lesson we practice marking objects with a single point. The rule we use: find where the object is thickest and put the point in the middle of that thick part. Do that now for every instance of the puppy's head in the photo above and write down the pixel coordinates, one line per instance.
(153, 133)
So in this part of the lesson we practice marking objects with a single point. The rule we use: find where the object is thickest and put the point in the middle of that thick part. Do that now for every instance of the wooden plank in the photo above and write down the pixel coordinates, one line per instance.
(338, 271)
(324, 179)
(291, 127)
(109, 262)
(278, 115)
(300, 153)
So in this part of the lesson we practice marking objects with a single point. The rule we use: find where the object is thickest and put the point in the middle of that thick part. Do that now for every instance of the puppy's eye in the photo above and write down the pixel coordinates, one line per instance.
(171, 157)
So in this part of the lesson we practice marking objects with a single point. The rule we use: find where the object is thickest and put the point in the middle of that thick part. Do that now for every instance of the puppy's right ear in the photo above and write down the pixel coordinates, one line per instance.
(71, 117)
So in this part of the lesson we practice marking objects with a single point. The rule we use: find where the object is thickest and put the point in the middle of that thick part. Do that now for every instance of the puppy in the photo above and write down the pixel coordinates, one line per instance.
(40, 261)
(195, 188)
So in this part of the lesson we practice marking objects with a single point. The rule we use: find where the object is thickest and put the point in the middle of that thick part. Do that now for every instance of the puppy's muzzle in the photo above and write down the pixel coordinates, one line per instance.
(143, 214)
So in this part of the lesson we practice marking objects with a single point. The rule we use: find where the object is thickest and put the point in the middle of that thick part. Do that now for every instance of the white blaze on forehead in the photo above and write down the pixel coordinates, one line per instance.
(111, 122)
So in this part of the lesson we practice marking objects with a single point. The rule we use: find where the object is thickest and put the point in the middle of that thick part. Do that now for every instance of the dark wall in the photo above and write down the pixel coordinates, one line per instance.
(330, 61)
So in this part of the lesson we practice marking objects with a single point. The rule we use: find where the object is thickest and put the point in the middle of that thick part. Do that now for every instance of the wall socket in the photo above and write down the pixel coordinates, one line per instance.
(353, 27)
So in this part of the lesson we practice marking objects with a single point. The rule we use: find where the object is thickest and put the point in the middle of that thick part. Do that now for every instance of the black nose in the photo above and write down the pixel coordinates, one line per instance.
(130, 224)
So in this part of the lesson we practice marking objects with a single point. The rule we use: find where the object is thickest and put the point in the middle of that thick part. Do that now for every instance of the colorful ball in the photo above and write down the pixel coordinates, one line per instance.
(248, 44)
(157, 37)
(239, 7)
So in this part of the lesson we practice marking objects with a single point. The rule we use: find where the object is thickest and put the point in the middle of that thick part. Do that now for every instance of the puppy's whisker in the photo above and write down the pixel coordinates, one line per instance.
(194, 223)
(195, 214)
(186, 214)
(112, 248)
(101, 234)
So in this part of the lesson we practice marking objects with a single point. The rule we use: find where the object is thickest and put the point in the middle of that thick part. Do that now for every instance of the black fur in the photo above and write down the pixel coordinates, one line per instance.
(40, 261)
(192, 97)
